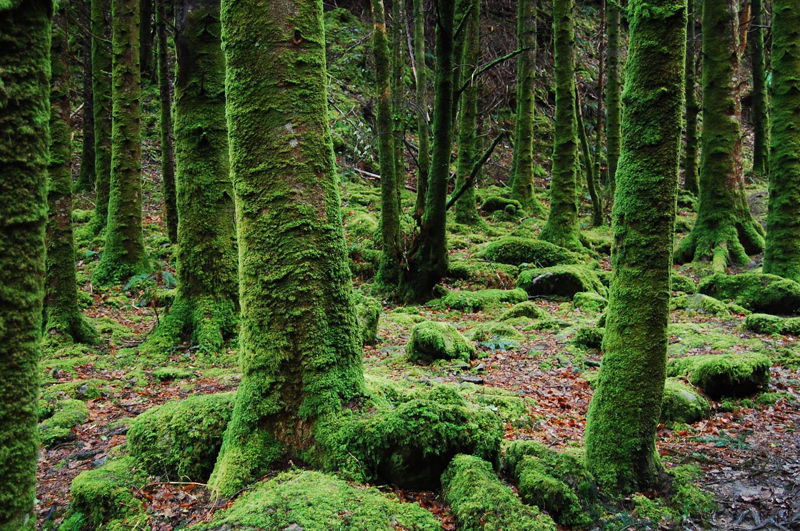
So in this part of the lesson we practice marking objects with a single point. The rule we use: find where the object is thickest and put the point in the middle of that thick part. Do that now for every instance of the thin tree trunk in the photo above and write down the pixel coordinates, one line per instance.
(421, 100)
(146, 38)
(101, 98)
(85, 180)
(167, 151)
(398, 129)
(613, 93)
(599, 130)
(588, 163)
(468, 145)
(760, 104)
(690, 180)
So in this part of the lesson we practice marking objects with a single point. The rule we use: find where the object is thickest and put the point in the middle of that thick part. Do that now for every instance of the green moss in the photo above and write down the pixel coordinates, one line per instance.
(508, 406)
(562, 280)
(515, 251)
(180, 439)
(589, 337)
(598, 239)
(497, 203)
(772, 324)
(496, 335)
(58, 428)
(434, 341)
(654, 510)
(487, 274)
(683, 283)
(80, 389)
(755, 291)
(164, 374)
(312, 500)
(589, 301)
(682, 403)
(688, 499)
(472, 301)
(699, 303)
(368, 311)
(524, 309)
(480, 501)
(723, 374)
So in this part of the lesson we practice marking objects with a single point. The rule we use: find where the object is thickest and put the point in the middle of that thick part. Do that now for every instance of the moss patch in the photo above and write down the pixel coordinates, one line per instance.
(472, 301)
(683, 283)
(772, 324)
(497, 335)
(755, 291)
(562, 281)
(58, 428)
(681, 403)
(723, 374)
(437, 341)
(699, 303)
(514, 250)
(589, 301)
(589, 337)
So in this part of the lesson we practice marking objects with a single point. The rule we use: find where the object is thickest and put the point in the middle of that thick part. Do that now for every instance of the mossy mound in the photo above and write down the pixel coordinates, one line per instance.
(699, 303)
(524, 309)
(103, 498)
(78, 389)
(473, 301)
(66, 414)
(368, 312)
(589, 301)
(682, 403)
(683, 283)
(480, 501)
(589, 337)
(497, 335)
(561, 281)
(488, 274)
(755, 291)
(721, 375)
(408, 438)
(495, 203)
(180, 440)
(553, 481)
(772, 324)
(437, 341)
(168, 374)
(305, 499)
(515, 251)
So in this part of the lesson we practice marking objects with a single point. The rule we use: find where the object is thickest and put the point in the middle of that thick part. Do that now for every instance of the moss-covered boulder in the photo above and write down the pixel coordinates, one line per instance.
(561, 281)
(589, 337)
(437, 341)
(473, 301)
(524, 309)
(683, 283)
(682, 403)
(721, 375)
(368, 311)
(497, 335)
(57, 428)
(755, 291)
(496, 203)
(306, 499)
(589, 301)
(699, 303)
(180, 440)
(772, 324)
(514, 250)
(480, 501)
(479, 272)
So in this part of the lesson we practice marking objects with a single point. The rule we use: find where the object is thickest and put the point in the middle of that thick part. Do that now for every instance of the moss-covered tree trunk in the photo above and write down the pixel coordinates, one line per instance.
(300, 349)
(124, 255)
(522, 164)
(782, 255)
(63, 317)
(613, 88)
(725, 230)
(428, 257)
(421, 101)
(562, 222)
(624, 413)
(205, 308)
(389, 269)
(398, 104)
(101, 106)
(146, 38)
(690, 180)
(24, 117)
(167, 151)
(85, 180)
(589, 167)
(468, 141)
(760, 116)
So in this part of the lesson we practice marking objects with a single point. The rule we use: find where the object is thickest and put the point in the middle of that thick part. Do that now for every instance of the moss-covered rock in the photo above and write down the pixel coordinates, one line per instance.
(168, 374)
(589, 337)
(488, 274)
(78, 389)
(772, 324)
(497, 335)
(699, 303)
(473, 301)
(755, 291)
(368, 311)
(305, 499)
(524, 309)
(682, 403)
(58, 427)
(721, 375)
(683, 283)
(496, 203)
(589, 301)
(480, 501)
(180, 440)
(562, 281)
(514, 250)
(437, 341)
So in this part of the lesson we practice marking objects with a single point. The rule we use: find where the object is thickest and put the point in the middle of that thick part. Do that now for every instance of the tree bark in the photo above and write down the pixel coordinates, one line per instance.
(167, 150)
(101, 103)
(760, 104)
(613, 89)
(421, 100)
(468, 143)
(690, 180)
(85, 180)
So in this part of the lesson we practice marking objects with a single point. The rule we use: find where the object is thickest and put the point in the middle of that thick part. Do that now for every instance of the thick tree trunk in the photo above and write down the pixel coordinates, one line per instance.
(624, 413)
(63, 317)
(690, 181)
(562, 223)
(782, 255)
(421, 100)
(124, 255)
(101, 103)
(613, 88)
(468, 144)
(85, 180)
(725, 230)
(759, 112)
(522, 164)
(167, 152)
(24, 115)
(302, 363)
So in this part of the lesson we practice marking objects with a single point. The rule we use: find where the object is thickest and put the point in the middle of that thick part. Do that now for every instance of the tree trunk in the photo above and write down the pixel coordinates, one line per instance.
(428, 257)
(588, 163)
(421, 100)
(468, 143)
(782, 255)
(725, 230)
(690, 181)
(624, 413)
(760, 118)
(101, 103)
(389, 270)
(24, 112)
(599, 113)
(146, 38)
(398, 111)
(522, 165)
(302, 363)
(562, 223)
(124, 255)
(167, 152)
(85, 181)
(613, 88)
(63, 317)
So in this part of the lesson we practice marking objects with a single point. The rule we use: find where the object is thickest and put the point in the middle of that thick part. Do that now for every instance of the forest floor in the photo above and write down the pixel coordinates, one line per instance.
(749, 452)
